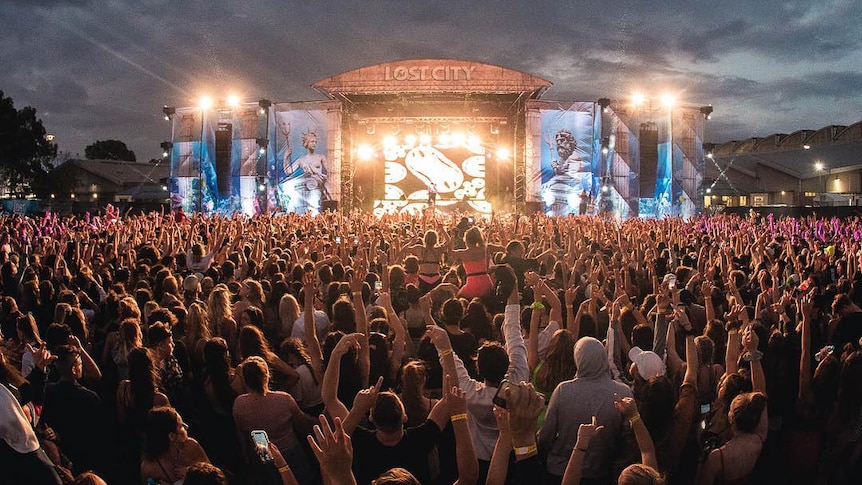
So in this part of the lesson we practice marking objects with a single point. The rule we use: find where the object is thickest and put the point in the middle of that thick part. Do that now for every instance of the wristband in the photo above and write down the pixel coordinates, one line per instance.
(525, 450)
(537, 305)
(458, 417)
(283, 469)
(634, 419)
(752, 356)
(357, 293)
(445, 353)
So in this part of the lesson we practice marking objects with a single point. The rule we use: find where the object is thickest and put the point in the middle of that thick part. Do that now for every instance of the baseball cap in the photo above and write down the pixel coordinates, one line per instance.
(649, 364)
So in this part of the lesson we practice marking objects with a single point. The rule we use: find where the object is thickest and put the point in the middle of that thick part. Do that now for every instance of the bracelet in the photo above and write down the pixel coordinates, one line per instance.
(525, 450)
(458, 417)
(357, 293)
(752, 356)
(283, 469)
(445, 353)
(537, 305)
(634, 419)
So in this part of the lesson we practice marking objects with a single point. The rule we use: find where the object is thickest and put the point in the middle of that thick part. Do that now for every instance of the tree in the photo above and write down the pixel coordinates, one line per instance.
(25, 153)
(109, 150)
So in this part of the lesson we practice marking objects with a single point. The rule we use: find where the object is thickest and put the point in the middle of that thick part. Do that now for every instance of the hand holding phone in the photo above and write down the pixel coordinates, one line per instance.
(261, 445)
(500, 396)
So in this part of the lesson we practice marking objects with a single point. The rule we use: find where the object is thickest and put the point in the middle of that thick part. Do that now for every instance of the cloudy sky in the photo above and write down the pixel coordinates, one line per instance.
(99, 69)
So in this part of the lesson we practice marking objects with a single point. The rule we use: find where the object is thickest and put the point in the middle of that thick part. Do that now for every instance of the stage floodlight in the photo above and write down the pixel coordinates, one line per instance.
(445, 139)
(233, 100)
(503, 153)
(425, 139)
(495, 129)
(166, 148)
(370, 129)
(638, 99)
(72, 195)
(261, 188)
(668, 100)
(806, 147)
(168, 111)
(709, 190)
(706, 111)
(605, 103)
(605, 188)
(264, 105)
(473, 140)
(261, 144)
(390, 141)
(819, 166)
(165, 188)
(458, 138)
(205, 102)
(365, 152)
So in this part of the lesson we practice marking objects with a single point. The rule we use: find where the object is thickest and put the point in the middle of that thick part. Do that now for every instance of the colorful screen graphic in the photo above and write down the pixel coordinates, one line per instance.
(453, 168)
(567, 173)
(301, 166)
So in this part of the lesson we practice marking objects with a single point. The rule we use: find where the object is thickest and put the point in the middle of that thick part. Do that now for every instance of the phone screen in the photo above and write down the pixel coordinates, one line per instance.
(500, 396)
(378, 285)
(261, 445)
(337, 239)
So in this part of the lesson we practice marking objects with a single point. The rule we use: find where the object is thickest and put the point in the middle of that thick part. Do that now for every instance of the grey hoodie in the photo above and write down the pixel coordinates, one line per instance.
(575, 402)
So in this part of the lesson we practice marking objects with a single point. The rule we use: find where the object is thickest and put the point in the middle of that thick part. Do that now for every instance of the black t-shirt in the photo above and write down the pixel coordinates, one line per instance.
(521, 266)
(371, 458)
(75, 414)
(848, 329)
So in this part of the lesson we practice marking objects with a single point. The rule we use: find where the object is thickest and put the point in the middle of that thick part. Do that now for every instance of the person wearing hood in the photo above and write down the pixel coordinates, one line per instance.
(575, 402)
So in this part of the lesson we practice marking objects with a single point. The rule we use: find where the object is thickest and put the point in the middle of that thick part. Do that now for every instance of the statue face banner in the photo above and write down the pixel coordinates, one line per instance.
(451, 171)
(301, 165)
(568, 170)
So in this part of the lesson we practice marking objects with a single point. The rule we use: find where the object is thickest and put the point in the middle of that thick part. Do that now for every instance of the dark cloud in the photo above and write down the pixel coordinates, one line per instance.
(100, 70)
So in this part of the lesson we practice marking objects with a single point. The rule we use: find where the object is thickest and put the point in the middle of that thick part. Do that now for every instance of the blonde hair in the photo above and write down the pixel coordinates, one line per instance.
(218, 309)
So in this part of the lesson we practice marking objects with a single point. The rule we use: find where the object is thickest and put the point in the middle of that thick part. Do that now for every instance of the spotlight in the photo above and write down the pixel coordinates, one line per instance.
(503, 153)
(95, 196)
(473, 140)
(605, 104)
(806, 147)
(205, 102)
(52, 196)
(495, 129)
(233, 100)
(72, 196)
(638, 99)
(168, 111)
(606, 144)
(261, 188)
(390, 141)
(604, 188)
(264, 105)
(458, 138)
(709, 190)
(819, 166)
(706, 111)
(365, 152)
(165, 188)
(668, 100)
(605, 150)
(261, 143)
(709, 155)
(166, 148)
(445, 139)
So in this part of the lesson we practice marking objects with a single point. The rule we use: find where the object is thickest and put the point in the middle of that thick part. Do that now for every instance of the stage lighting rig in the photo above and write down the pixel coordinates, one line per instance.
(166, 148)
(168, 111)
(264, 105)
(605, 104)
(261, 143)
(706, 111)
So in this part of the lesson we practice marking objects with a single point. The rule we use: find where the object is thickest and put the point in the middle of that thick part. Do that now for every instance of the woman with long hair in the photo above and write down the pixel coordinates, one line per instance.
(253, 344)
(306, 391)
(416, 404)
(288, 313)
(197, 332)
(119, 344)
(251, 294)
(477, 322)
(735, 460)
(221, 386)
(221, 321)
(430, 255)
(168, 450)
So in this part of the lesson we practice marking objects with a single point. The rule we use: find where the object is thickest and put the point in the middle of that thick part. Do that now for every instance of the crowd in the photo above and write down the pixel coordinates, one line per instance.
(340, 349)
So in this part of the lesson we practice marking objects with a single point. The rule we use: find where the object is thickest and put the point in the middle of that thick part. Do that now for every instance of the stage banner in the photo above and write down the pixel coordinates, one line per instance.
(688, 160)
(664, 169)
(568, 170)
(305, 177)
(453, 170)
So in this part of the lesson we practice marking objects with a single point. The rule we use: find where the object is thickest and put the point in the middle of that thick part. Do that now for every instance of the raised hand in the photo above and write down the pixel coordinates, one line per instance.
(333, 449)
(365, 398)
(626, 406)
(586, 433)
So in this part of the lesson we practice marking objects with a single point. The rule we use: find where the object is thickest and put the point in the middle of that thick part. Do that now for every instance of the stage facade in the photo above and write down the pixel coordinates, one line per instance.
(396, 137)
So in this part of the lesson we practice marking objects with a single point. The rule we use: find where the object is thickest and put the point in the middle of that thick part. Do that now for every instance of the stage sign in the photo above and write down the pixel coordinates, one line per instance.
(568, 170)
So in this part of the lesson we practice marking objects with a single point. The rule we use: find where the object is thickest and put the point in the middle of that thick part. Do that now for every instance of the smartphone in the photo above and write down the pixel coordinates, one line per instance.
(500, 395)
(671, 281)
(337, 239)
(471, 219)
(705, 408)
(378, 285)
(261, 445)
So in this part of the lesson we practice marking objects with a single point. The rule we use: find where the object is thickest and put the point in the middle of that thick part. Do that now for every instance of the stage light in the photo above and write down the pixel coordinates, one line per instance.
(264, 105)
(71, 196)
(574, 200)
(233, 100)
(425, 139)
(819, 166)
(261, 188)
(365, 152)
(390, 141)
(458, 138)
(605, 104)
(709, 155)
(168, 111)
(261, 143)
(95, 196)
(370, 129)
(445, 139)
(638, 99)
(605, 150)
(205, 102)
(709, 190)
(706, 111)
(668, 100)
(806, 147)
(783, 192)
(473, 140)
(52, 196)
(410, 139)
(503, 153)
(165, 188)
(166, 148)
(495, 130)
(548, 197)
